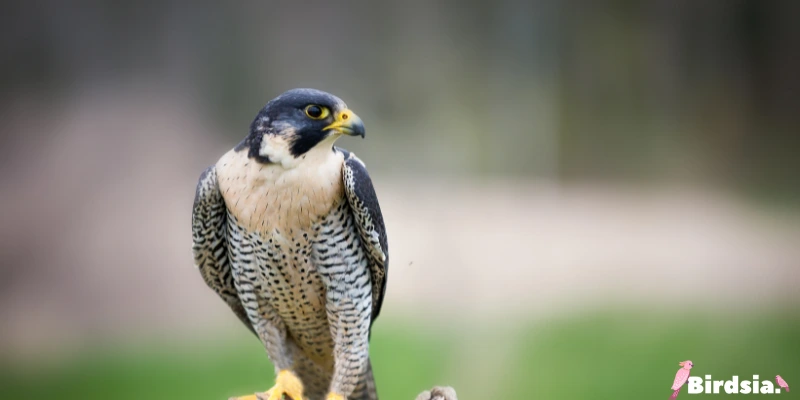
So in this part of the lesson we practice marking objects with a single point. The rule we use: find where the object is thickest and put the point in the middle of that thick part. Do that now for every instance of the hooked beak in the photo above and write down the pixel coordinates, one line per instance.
(348, 123)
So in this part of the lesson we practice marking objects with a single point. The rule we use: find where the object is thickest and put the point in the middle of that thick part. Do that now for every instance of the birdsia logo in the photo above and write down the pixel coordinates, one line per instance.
(698, 385)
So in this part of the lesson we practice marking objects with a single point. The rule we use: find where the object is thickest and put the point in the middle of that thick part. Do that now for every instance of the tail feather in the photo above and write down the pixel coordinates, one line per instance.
(674, 394)
(372, 389)
(366, 389)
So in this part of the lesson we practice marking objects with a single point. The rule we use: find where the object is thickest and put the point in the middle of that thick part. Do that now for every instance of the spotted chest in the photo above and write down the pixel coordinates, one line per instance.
(287, 275)
(284, 228)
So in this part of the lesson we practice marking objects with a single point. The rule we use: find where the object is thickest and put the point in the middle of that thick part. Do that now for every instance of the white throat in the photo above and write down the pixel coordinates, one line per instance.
(277, 149)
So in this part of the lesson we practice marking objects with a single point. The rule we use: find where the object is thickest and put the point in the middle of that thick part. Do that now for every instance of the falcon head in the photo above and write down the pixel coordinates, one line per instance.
(296, 124)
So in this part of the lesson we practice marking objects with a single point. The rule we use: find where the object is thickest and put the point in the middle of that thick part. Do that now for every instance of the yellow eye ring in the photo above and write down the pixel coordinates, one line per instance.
(317, 112)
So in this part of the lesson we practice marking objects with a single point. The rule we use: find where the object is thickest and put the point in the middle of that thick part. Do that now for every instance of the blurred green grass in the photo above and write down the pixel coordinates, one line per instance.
(621, 355)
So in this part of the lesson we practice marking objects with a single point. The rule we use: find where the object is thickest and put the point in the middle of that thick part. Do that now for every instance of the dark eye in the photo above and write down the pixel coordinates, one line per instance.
(317, 112)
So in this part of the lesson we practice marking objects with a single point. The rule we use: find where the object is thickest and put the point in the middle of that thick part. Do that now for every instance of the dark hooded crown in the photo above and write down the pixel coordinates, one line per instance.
(285, 116)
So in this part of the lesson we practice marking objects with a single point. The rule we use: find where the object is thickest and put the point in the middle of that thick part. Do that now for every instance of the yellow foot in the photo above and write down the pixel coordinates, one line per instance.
(287, 384)
(250, 397)
(334, 396)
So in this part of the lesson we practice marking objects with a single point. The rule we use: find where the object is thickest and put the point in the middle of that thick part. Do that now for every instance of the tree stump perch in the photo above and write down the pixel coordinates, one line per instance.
(437, 393)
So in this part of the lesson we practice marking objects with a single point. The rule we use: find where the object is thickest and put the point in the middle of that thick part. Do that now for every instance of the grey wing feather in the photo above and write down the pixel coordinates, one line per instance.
(364, 204)
(210, 247)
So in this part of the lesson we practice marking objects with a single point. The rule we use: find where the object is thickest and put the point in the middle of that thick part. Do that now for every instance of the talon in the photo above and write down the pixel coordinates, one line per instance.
(335, 396)
(287, 384)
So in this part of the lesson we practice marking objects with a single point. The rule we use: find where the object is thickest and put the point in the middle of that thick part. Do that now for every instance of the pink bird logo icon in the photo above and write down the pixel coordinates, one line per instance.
(680, 378)
(782, 383)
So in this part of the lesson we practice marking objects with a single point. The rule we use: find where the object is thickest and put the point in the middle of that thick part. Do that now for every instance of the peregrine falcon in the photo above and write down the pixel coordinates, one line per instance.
(287, 230)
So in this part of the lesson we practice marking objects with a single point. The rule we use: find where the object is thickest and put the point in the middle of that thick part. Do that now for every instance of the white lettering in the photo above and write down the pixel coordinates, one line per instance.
(695, 385)
(732, 386)
(698, 385)
(745, 387)
(767, 388)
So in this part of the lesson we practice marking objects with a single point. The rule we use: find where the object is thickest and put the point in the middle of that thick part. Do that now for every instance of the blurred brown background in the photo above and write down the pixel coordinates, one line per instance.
(533, 160)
